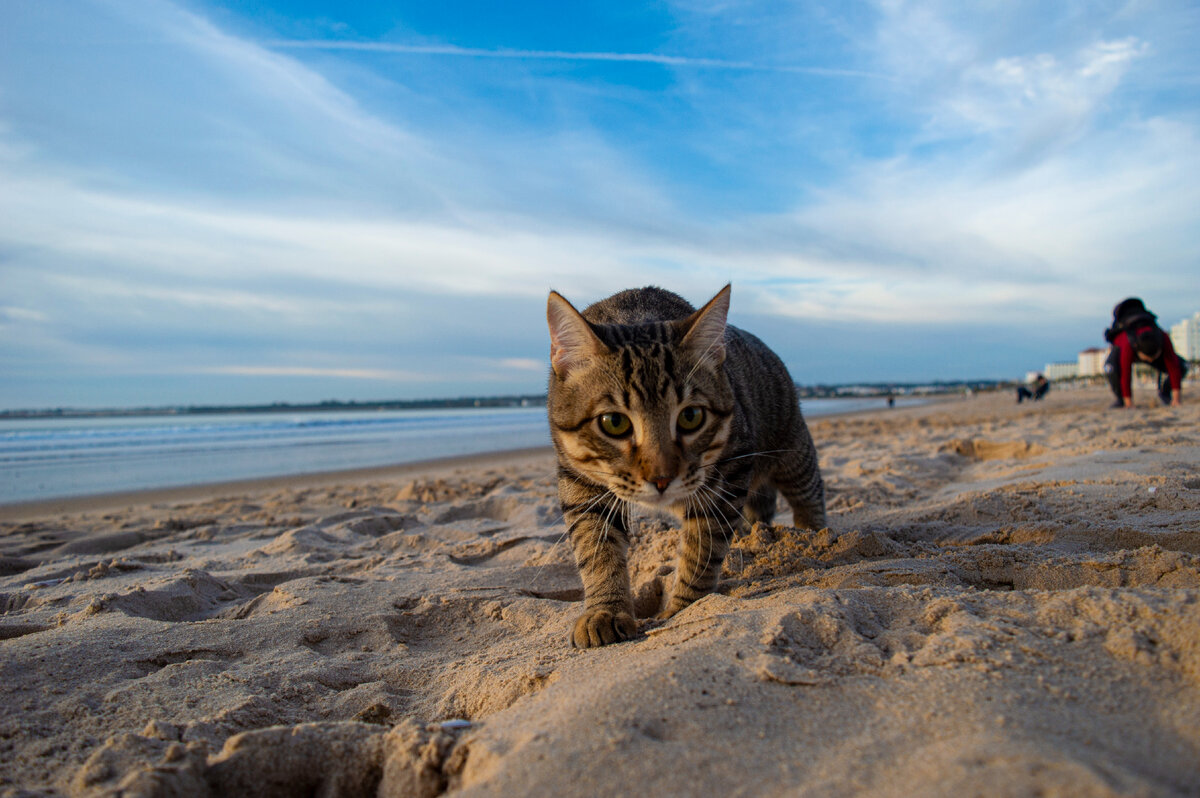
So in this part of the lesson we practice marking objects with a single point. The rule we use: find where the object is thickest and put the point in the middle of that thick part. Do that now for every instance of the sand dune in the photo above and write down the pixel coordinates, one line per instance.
(1007, 603)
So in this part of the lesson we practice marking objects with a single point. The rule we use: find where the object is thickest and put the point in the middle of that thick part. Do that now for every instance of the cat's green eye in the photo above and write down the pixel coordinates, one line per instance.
(616, 425)
(691, 418)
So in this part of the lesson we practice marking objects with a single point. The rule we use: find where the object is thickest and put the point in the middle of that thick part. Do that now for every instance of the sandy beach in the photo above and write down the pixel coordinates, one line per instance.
(1007, 602)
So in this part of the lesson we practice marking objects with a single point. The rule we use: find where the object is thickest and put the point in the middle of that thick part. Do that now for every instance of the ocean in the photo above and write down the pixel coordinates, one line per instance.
(66, 457)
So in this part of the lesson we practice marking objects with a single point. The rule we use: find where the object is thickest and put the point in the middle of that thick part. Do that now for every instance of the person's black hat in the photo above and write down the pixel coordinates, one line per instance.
(1128, 307)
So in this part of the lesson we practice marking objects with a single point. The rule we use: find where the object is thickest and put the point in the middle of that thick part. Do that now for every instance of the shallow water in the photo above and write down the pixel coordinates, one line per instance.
(59, 457)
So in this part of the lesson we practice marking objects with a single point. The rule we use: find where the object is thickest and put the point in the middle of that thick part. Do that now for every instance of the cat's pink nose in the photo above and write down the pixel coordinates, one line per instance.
(661, 483)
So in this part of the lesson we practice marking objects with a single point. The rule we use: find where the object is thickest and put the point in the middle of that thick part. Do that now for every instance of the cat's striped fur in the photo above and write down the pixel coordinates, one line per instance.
(654, 403)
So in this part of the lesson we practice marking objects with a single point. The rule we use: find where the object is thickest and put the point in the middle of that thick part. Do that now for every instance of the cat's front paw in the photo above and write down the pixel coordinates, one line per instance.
(674, 605)
(665, 614)
(600, 626)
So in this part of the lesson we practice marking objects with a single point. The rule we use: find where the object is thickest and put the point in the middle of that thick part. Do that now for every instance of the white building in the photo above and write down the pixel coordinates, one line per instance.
(1091, 362)
(1061, 371)
(1185, 337)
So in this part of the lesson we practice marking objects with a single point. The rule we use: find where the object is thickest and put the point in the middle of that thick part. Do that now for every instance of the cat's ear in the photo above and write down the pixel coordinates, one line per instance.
(705, 335)
(572, 340)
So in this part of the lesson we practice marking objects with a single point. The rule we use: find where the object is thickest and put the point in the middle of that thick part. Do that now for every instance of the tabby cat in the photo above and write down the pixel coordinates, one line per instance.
(654, 403)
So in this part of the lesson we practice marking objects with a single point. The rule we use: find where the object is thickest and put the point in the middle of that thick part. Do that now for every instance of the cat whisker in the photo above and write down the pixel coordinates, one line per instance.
(617, 506)
(537, 574)
(757, 454)
(727, 501)
(602, 538)
(711, 508)
(567, 531)
(708, 549)
(723, 491)
(750, 454)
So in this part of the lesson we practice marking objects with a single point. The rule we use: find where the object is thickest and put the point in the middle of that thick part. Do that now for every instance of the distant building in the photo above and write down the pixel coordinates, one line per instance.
(1185, 337)
(1061, 371)
(1091, 362)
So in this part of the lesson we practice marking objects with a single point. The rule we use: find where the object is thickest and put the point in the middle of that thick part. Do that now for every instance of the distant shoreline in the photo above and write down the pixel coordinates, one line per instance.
(847, 391)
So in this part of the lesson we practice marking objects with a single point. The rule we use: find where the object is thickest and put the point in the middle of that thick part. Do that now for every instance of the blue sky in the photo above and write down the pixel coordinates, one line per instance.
(247, 202)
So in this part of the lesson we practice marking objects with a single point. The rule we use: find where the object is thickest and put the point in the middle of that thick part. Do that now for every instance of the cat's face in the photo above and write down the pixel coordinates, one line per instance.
(644, 411)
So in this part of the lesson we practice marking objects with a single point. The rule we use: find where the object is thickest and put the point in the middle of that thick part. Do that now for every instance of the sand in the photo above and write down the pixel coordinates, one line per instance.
(1007, 602)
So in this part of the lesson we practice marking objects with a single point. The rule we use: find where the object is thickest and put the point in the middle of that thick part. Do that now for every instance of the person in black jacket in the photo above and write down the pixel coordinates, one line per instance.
(1035, 391)
(1136, 336)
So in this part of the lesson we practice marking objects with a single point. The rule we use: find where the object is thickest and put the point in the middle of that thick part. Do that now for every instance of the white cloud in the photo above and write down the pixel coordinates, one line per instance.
(10, 313)
(524, 363)
(898, 242)
(162, 293)
(484, 256)
(1039, 96)
(984, 71)
(1061, 238)
(386, 375)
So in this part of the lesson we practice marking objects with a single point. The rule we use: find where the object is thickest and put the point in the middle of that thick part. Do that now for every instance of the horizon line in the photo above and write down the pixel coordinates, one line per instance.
(167, 409)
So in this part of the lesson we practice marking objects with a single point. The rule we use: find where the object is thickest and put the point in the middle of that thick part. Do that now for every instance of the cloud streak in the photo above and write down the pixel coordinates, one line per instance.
(386, 375)
(683, 62)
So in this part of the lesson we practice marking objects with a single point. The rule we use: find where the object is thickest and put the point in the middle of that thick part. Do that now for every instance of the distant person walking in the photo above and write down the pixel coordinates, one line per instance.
(1136, 336)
